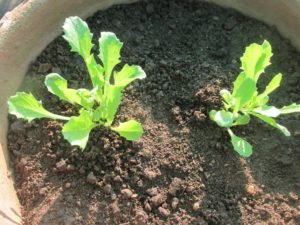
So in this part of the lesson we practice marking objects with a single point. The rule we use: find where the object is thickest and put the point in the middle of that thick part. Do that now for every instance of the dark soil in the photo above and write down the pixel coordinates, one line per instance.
(183, 170)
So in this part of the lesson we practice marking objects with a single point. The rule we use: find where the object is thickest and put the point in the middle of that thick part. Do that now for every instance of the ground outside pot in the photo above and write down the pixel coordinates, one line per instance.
(24, 33)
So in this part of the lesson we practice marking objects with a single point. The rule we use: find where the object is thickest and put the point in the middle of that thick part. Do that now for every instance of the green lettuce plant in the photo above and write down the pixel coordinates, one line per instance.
(99, 105)
(245, 101)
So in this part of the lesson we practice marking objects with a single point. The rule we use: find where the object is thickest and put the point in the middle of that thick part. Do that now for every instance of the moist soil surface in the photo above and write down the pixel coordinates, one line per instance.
(183, 170)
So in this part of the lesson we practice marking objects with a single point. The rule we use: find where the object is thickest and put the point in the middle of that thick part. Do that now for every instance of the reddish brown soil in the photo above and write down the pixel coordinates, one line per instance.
(183, 170)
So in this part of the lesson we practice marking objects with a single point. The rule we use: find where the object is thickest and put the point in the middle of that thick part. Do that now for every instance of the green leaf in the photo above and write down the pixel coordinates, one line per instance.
(244, 93)
(58, 86)
(96, 73)
(110, 47)
(86, 98)
(255, 59)
(222, 118)
(78, 35)
(112, 102)
(272, 123)
(26, 106)
(290, 109)
(273, 85)
(242, 120)
(260, 100)
(212, 114)
(128, 74)
(263, 98)
(76, 131)
(109, 106)
(238, 82)
(226, 95)
(240, 145)
(266, 110)
(131, 130)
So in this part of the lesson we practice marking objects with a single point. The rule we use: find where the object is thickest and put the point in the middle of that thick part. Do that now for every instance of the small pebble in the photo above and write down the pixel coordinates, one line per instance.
(127, 193)
(152, 191)
(164, 212)
(68, 185)
(44, 67)
(251, 189)
(196, 206)
(115, 208)
(43, 191)
(91, 178)
(190, 189)
(175, 202)
(151, 175)
(148, 207)
(145, 153)
(107, 189)
(113, 196)
(23, 162)
(78, 203)
(134, 196)
(118, 179)
(293, 196)
(157, 200)
(141, 217)
(70, 167)
(175, 186)
(140, 183)
(164, 205)
(61, 166)
(17, 126)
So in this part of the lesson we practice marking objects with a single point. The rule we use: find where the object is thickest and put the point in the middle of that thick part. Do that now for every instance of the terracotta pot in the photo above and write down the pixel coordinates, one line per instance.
(32, 25)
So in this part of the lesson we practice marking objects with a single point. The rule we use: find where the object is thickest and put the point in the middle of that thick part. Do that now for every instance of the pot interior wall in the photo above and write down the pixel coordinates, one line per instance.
(24, 36)
(7, 5)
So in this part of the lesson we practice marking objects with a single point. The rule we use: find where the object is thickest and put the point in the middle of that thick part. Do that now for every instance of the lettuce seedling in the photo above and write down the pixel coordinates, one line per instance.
(99, 105)
(245, 101)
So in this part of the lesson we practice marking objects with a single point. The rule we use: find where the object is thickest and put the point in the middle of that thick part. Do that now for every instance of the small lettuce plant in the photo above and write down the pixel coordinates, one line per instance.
(245, 101)
(98, 106)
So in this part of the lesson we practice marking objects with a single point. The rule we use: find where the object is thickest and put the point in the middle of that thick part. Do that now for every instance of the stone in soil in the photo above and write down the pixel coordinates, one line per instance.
(61, 166)
(196, 206)
(152, 191)
(175, 186)
(175, 202)
(152, 174)
(164, 212)
(127, 193)
(157, 200)
(141, 217)
(91, 178)
(115, 209)
(44, 67)
(107, 189)
(17, 126)
(251, 189)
